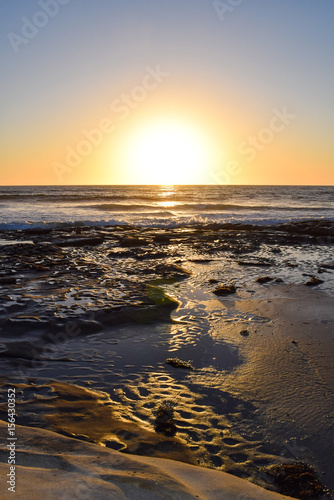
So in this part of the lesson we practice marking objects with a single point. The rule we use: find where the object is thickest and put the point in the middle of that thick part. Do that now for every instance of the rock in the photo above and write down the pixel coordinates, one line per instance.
(172, 271)
(23, 350)
(133, 242)
(327, 265)
(313, 282)
(244, 333)
(19, 326)
(256, 263)
(162, 238)
(8, 280)
(225, 290)
(150, 255)
(323, 228)
(80, 242)
(86, 327)
(264, 279)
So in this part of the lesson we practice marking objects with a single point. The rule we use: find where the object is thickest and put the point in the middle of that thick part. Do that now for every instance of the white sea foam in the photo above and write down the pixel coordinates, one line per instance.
(56, 207)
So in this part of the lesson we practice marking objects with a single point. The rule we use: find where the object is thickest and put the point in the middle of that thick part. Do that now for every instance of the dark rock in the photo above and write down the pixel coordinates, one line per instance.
(120, 254)
(255, 263)
(161, 238)
(264, 279)
(8, 280)
(86, 327)
(144, 314)
(225, 290)
(323, 228)
(133, 242)
(19, 326)
(150, 255)
(24, 350)
(328, 265)
(244, 333)
(173, 271)
(200, 261)
(80, 242)
(313, 282)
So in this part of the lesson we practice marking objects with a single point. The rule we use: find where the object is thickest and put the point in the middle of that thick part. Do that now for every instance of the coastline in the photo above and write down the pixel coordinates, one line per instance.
(54, 467)
(254, 400)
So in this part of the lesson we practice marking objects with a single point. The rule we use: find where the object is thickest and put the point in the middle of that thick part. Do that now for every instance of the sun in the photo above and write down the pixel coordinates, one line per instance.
(167, 152)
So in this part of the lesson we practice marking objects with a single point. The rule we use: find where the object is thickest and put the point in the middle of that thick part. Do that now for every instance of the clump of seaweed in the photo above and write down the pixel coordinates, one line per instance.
(164, 420)
(179, 363)
(297, 480)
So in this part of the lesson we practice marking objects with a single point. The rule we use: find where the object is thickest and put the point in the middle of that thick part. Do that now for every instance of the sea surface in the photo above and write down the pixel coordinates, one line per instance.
(161, 206)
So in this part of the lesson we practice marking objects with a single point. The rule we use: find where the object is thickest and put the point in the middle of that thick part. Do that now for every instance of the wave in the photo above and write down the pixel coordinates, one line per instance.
(292, 224)
(214, 207)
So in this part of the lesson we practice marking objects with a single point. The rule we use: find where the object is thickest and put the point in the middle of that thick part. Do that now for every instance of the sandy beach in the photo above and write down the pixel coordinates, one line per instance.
(88, 321)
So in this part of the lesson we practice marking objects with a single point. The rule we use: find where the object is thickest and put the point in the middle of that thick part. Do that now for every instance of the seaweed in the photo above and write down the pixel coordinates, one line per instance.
(164, 420)
(179, 363)
(297, 480)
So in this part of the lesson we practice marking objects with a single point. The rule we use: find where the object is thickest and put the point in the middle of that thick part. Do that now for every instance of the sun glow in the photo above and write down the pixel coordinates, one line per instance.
(168, 152)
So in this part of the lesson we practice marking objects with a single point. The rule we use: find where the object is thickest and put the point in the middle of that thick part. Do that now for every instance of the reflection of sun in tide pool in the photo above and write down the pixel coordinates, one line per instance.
(168, 152)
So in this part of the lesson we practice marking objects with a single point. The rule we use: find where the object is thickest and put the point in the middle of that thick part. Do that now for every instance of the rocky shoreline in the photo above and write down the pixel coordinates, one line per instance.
(81, 304)
(58, 284)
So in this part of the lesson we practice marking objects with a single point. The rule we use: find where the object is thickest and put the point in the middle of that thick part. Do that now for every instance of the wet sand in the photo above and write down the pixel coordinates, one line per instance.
(261, 392)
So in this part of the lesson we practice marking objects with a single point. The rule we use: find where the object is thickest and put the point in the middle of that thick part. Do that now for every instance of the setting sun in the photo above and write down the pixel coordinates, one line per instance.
(167, 152)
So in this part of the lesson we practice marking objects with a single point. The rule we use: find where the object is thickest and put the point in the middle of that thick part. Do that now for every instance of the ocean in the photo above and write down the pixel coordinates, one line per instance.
(60, 207)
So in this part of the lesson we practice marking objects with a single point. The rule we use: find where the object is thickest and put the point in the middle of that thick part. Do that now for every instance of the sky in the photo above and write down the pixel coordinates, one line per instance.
(167, 92)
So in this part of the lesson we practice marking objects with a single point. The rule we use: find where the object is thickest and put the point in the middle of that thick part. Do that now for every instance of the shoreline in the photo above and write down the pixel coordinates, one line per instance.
(231, 409)
(85, 470)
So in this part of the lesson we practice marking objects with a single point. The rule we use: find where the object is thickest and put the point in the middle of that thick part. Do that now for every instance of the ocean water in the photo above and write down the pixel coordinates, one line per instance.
(161, 206)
